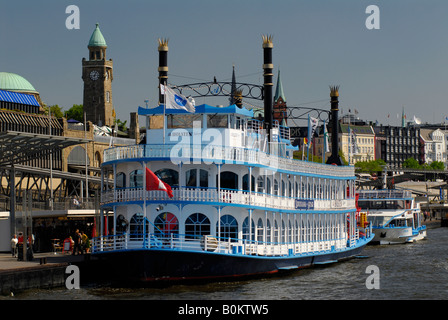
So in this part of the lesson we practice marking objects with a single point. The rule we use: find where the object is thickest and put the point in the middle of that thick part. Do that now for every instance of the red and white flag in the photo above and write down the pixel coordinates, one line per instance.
(154, 183)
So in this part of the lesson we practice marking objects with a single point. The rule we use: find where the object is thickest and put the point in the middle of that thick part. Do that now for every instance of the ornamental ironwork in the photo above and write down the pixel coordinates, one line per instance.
(220, 89)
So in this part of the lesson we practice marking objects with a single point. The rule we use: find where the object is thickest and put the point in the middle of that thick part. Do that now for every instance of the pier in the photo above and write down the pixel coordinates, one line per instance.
(47, 270)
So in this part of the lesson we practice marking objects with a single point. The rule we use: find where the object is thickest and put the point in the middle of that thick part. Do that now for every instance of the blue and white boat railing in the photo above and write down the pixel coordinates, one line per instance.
(217, 154)
(212, 244)
(223, 196)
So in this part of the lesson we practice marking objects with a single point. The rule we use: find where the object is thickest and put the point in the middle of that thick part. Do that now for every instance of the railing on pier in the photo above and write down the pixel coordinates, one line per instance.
(208, 243)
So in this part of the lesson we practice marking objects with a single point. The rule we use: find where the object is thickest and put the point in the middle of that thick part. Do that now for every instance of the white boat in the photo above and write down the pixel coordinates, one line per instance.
(394, 215)
(240, 205)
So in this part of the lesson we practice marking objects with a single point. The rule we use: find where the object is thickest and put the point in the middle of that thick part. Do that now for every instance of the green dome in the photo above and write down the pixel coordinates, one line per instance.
(14, 82)
(97, 39)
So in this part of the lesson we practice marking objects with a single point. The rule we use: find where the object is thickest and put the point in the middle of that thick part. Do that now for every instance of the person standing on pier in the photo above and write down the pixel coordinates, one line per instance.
(77, 244)
(14, 242)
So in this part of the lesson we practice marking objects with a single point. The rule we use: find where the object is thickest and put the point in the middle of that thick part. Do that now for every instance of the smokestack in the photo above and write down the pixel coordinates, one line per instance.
(334, 95)
(163, 66)
(267, 87)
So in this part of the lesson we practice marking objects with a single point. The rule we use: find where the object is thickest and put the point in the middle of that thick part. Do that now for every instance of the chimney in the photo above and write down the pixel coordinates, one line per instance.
(134, 129)
(334, 95)
(163, 66)
(267, 87)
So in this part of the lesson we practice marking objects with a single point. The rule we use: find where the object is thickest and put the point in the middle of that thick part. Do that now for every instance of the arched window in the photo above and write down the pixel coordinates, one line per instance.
(268, 185)
(246, 234)
(246, 183)
(192, 179)
(275, 187)
(268, 231)
(229, 180)
(197, 225)
(260, 184)
(166, 224)
(275, 231)
(260, 230)
(120, 180)
(136, 179)
(138, 227)
(169, 176)
(229, 227)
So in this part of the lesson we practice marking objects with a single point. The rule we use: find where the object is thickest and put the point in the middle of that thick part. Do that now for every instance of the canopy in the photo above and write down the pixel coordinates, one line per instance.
(203, 108)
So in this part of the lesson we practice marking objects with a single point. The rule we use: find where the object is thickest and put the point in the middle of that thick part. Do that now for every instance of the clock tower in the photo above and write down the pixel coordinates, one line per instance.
(97, 74)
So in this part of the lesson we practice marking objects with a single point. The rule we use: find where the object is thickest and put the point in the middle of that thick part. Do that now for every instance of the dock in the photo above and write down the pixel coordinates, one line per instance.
(46, 270)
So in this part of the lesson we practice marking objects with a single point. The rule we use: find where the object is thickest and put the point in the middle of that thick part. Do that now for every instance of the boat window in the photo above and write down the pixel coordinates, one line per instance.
(169, 176)
(136, 179)
(166, 224)
(268, 231)
(275, 232)
(229, 180)
(260, 184)
(217, 121)
(260, 230)
(268, 185)
(120, 180)
(229, 228)
(175, 121)
(191, 179)
(122, 224)
(275, 187)
(246, 183)
(197, 225)
(248, 235)
(138, 226)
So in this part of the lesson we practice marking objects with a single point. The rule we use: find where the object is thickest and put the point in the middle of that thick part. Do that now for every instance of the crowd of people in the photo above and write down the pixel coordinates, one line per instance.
(78, 244)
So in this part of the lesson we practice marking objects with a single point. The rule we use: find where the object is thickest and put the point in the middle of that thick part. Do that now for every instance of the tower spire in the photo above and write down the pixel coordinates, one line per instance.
(233, 89)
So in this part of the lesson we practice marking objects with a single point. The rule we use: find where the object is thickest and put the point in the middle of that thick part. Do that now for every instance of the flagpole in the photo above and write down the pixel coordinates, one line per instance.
(309, 140)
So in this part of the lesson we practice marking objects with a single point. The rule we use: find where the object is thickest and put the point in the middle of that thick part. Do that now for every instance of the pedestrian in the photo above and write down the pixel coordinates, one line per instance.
(85, 242)
(77, 242)
(14, 242)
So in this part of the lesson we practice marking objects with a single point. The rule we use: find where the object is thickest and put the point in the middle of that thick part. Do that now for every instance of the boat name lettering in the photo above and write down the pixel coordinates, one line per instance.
(304, 204)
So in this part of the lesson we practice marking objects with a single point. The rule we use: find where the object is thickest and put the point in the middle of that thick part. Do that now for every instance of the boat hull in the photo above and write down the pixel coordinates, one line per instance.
(397, 235)
(159, 265)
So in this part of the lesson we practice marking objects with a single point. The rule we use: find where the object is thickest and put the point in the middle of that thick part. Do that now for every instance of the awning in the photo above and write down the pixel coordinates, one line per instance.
(16, 97)
(203, 108)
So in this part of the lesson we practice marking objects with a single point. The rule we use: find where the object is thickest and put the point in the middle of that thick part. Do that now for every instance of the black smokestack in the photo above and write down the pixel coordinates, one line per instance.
(267, 87)
(334, 95)
(163, 66)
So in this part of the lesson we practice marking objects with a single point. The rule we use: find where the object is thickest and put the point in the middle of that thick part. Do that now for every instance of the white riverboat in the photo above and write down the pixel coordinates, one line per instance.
(233, 200)
(394, 215)
(219, 222)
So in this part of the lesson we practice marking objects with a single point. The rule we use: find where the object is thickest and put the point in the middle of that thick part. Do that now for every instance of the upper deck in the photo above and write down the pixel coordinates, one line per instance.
(218, 135)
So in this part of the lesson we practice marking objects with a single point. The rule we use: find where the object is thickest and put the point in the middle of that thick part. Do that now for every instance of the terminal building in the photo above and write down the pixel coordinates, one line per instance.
(52, 164)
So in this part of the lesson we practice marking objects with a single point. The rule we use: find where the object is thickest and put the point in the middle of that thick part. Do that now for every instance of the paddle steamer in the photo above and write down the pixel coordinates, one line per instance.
(241, 205)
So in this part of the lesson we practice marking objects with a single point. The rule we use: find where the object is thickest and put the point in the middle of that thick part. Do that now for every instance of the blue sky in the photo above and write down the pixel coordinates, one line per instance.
(317, 43)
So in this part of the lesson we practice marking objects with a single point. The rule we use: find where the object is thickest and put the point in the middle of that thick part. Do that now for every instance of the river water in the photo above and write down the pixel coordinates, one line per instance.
(409, 271)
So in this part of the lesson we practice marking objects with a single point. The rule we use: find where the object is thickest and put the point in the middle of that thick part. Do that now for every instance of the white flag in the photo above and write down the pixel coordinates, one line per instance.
(175, 100)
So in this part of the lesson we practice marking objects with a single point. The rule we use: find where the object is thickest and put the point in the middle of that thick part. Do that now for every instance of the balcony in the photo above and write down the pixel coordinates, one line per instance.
(223, 197)
(216, 154)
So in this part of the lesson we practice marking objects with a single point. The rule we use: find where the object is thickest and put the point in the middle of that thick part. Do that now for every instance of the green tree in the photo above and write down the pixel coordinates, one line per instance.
(411, 163)
(76, 112)
(437, 165)
(370, 166)
(56, 111)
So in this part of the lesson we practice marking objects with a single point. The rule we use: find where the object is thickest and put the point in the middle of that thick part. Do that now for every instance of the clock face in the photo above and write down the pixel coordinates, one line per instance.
(94, 75)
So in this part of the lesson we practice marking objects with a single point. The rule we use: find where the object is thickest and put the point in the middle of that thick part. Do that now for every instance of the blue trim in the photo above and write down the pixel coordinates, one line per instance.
(203, 108)
(223, 204)
(212, 161)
